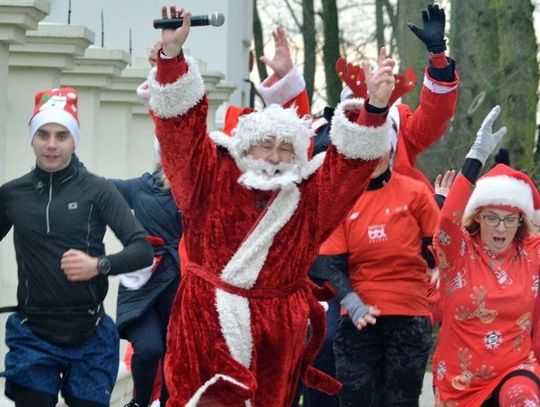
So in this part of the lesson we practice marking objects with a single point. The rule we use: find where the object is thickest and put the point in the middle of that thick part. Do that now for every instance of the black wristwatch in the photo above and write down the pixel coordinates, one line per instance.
(103, 265)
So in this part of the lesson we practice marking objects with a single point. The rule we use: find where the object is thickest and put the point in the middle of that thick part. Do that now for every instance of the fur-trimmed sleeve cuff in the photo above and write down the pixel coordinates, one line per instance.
(440, 87)
(177, 98)
(358, 141)
(281, 90)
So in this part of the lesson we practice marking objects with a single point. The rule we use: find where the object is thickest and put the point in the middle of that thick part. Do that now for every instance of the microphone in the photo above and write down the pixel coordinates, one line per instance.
(214, 19)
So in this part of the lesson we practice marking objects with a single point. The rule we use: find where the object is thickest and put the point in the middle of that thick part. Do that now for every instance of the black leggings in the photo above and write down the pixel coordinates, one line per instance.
(25, 397)
(147, 335)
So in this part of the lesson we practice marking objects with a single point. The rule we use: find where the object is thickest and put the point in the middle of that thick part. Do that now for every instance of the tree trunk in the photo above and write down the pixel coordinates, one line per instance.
(518, 81)
(495, 48)
(412, 52)
(331, 50)
(310, 46)
(258, 39)
(472, 25)
(379, 23)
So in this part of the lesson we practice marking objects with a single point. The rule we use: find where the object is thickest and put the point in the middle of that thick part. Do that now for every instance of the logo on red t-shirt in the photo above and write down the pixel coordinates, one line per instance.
(377, 233)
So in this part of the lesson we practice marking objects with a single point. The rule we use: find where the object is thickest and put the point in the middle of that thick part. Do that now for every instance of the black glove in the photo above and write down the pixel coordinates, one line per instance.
(433, 33)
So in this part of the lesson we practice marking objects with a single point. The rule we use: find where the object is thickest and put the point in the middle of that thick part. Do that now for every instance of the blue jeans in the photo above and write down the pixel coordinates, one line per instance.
(383, 364)
(86, 372)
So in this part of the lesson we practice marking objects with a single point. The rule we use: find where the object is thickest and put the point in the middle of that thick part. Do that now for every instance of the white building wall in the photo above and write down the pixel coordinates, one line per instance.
(224, 49)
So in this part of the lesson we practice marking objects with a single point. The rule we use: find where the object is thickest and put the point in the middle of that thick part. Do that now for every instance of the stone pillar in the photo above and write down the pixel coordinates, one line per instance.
(91, 74)
(139, 142)
(218, 99)
(16, 18)
(118, 133)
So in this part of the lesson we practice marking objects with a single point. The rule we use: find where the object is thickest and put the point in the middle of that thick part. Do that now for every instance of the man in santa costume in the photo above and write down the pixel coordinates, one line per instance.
(255, 210)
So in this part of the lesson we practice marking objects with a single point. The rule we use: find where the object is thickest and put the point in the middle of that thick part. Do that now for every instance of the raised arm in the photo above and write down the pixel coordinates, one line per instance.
(359, 137)
(180, 108)
(448, 239)
(442, 185)
(420, 128)
(286, 86)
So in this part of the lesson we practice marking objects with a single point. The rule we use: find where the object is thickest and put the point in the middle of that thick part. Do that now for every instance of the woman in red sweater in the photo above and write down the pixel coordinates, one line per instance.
(489, 283)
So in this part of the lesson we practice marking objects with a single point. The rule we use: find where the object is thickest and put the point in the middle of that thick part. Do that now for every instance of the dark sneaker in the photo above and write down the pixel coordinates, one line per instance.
(133, 403)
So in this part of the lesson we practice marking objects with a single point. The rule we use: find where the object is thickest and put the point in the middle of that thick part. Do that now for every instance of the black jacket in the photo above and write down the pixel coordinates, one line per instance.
(156, 210)
(54, 212)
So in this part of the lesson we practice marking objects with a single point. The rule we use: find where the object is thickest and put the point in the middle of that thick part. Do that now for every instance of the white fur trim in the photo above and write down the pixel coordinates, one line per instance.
(393, 115)
(317, 124)
(176, 98)
(232, 145)
(313, 165)
(228, 142)
(194, 400)
(274, 121)
(286, 88)
(244, 267)
(59, 116)
(136, 279)
(355, 141)
(235, 323)
(243, 270)
(436, 87)
(501, 190)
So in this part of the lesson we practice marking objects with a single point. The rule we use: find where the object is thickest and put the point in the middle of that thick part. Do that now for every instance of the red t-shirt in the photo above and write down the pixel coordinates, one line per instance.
(382, 235)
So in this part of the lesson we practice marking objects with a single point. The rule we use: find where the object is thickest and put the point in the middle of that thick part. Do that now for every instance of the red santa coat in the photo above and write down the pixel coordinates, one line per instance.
(238, 328)
(487, 302)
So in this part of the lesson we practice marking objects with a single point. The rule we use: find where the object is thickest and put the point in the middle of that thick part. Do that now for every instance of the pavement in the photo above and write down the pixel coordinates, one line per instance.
(427, 398)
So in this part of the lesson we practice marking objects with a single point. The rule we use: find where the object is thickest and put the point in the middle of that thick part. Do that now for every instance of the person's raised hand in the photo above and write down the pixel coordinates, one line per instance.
(432, 35)
(281, 63)
(174, 39)
(487, 140)
(443, 183)
(380, 82)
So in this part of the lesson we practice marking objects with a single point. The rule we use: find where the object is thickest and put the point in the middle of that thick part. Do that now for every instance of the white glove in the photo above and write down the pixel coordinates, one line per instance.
(486, 141)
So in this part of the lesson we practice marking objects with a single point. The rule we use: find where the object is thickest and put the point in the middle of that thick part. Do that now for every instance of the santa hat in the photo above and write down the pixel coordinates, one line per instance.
(504, 186)
(274, 121)
(56, 106)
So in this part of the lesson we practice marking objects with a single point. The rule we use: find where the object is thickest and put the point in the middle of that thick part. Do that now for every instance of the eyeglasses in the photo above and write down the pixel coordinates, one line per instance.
(509, 221)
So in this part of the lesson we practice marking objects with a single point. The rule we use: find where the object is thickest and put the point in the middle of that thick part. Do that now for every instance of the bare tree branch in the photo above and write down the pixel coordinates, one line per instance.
(293, 15)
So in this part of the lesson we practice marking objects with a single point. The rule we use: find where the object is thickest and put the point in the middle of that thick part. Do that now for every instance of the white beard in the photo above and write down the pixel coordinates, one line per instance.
(262, 175)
